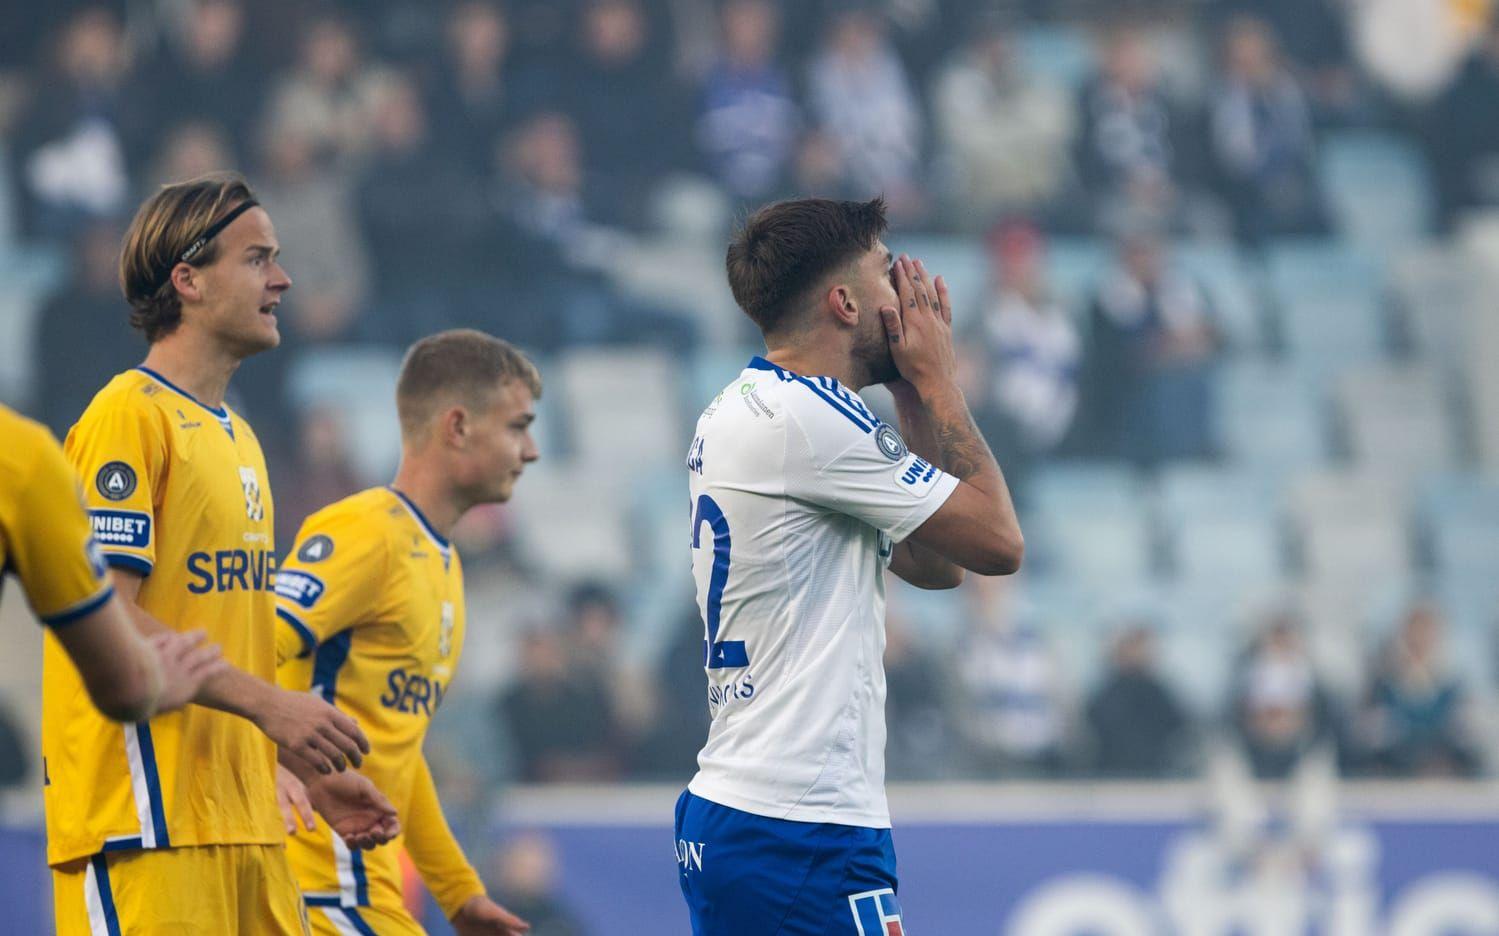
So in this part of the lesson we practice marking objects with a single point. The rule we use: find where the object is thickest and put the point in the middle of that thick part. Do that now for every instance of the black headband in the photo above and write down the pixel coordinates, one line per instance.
(196, 247)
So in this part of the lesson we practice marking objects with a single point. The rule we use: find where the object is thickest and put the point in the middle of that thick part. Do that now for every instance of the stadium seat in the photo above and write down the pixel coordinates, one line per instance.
(1074, 266)
(1092, 541)
(712, 370)
(1470, 602)
(1061, 489)
(1378, 188)
(1230, 548)
(1434, 288)
(1396, 419)
(686, 278)
(1235, 298)
(1352, 527)
(959, 261)
(30, 275)
(571, 523)
(623, 408)
(1059, 54)
(1270, 416)
(360, 383)
(1329, 299)
(1460, 514)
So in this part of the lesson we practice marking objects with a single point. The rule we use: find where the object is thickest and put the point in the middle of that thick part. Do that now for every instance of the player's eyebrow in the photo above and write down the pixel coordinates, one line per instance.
(526, 419)
(265, 250)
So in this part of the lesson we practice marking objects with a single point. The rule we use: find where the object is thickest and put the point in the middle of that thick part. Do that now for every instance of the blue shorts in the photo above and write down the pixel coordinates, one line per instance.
(746, 875)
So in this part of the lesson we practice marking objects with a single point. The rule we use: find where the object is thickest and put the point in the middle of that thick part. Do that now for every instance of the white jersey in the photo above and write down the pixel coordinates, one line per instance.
(799, 493)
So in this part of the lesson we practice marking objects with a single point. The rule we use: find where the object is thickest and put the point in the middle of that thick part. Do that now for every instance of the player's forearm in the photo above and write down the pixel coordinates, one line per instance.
(964, 452)
(233, 691)
(434, 849)
(926, 568)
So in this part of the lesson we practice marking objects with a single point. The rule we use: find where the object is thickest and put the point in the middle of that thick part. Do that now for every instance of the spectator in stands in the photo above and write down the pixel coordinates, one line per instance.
(1006, 135)
(561, 723)
(82, 331)
(1139, 728)
(478, 93)
(332, 96)
(1026, 354)
(1414, 717)
(319, 472)
(748, 119)
(1152, 348)
(73, 144)
(316, 225)
(1314, 37)
(207, 74)
(189, 150)
(1463, 143)
(526, 881)
(1279, 708)
(863, 102)
(595, 625)
(919, 735)
(680, 725)
(1012, 707)
(1262, 143)
(1129, 143)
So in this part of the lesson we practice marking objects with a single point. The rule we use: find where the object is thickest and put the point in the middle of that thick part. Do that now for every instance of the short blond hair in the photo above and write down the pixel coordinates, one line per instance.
(460, 365)
(163, 229)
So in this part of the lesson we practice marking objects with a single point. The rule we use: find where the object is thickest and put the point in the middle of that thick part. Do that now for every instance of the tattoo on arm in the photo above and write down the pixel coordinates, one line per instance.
(964, 451)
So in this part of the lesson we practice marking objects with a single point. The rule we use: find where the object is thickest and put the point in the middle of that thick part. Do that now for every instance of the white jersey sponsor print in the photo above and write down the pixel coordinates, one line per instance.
(799, 493)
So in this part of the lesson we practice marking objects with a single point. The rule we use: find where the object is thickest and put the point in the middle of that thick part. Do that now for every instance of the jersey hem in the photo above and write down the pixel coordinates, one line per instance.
(724, 797)
(101, 844)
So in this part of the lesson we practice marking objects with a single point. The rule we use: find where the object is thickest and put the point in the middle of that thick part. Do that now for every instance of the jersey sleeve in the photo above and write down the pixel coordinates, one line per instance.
(433, 849)
(846, 460)
(52, 548)
(331, 581)
(120, 454)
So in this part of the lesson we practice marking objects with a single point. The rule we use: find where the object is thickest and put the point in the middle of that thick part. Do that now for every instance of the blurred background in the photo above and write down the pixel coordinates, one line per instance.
(1224, 277)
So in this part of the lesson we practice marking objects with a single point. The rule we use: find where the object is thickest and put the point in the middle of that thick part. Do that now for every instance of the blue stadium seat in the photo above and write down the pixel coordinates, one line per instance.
(1270, 416)
(1074, 266)
(359, 383)
(1236, 301)
(1396, 420)
(1060, 54)
(1378, 187)
(1461, 516)
(1470, 602)
(624, 408)
(959, 261)
(1329, 297)
(1352, 526)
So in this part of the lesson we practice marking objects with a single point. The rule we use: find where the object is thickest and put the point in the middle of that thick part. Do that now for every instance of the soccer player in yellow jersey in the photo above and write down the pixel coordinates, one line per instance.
(170, 826)
(372, 617)
(46, 541)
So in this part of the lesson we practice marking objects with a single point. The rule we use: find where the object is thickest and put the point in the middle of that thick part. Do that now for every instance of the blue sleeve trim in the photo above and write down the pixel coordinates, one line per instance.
(309, 641)
(81, 610)
(129, 563)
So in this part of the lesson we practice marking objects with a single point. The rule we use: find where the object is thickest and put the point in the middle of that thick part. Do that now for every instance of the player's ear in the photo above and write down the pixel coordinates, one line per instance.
(455, 427)
(840, 302)
(185, 280)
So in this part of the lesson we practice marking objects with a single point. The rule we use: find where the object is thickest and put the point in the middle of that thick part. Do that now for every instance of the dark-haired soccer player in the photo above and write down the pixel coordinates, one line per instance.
(170, 825)
(372, 618)
(801, 499)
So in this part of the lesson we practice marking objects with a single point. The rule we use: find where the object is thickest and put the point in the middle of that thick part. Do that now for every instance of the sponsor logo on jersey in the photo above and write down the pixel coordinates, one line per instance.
(890, 442)
(918, 475)
(115, 481)
(253, 507)
(411, 693)
(300, 587)
(129, 528)
(227, 570)
(690, 855)
(316, 548)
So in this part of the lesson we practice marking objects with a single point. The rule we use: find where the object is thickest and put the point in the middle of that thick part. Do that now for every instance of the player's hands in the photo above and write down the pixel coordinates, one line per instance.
(291, 796)
(313, 731)
(920, 331)
(355, 809)
(483, 917)
(186, 663)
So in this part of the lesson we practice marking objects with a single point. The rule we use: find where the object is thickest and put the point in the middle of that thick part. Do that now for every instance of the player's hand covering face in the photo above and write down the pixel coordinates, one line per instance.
(920, 330)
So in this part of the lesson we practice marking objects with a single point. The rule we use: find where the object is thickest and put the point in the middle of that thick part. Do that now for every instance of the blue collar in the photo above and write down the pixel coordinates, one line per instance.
(222, 412)
(421, 519)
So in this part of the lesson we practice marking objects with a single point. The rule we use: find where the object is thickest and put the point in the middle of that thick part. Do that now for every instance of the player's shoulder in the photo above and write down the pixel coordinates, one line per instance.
(131, 391)
(359, 524)
(820, 405)
(28, 443)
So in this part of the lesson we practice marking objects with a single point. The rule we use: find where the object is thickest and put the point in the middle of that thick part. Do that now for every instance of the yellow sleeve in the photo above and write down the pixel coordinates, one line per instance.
(436, 854)
(51, 547)
(332, 580)
(120, 453)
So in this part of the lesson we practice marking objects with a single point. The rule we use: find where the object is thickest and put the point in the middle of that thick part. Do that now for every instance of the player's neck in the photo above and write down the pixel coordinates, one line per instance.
(431, 494)
(197, 367)
(810, 362)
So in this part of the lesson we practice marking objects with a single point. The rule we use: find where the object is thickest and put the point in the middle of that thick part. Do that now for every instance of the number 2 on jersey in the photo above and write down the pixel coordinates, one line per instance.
(727, 654)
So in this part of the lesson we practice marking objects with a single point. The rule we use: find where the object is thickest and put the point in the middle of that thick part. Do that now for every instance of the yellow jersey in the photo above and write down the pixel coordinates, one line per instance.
(45, 537)
(177, 494)
(372, 617)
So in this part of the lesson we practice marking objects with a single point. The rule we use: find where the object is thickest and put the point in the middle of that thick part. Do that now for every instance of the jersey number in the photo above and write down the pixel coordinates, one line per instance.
(725, 654)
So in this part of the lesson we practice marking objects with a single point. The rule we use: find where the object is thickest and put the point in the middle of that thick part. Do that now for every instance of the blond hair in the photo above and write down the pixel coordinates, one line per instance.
(460, 365)
(164, 228)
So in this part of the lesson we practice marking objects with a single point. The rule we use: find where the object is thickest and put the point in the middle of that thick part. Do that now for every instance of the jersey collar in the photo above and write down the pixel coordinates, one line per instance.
(221, 413)
(416, 512)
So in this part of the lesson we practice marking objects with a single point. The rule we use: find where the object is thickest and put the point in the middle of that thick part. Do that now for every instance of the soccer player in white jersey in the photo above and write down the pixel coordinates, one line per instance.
(801, 499)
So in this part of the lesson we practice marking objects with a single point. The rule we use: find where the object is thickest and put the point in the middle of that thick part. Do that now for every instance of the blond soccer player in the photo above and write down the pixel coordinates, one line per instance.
(171, 825)
(372, 612)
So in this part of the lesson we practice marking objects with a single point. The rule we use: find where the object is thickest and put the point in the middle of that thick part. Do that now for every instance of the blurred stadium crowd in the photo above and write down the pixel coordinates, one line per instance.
(1224, 269)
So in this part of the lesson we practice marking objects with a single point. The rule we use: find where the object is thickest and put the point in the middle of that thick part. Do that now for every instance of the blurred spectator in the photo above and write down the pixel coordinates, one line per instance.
(1280, 710)
(630, 115)
(420, 219)
(1413, 720)
(1026, 354)
(680, 726)
(206, 72)
(476, 95)
(1314, 36)
(1006, 133)
(332, 95)
(1413, 48)
(1463, 142)
(748, 119)
(83, 333)
(1139, 729)
(919, 735)
(1152, 346)
(525, 882)
(595, 632)
(322, 471)
(190, 150)
(863, 102)
(1262, 139)
(73, 143)
(1012, 708)
(561, 721)
(1129, 155)
(313, 211)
